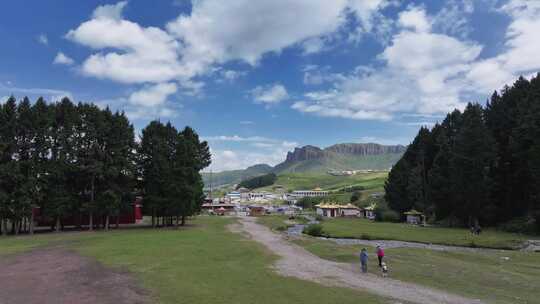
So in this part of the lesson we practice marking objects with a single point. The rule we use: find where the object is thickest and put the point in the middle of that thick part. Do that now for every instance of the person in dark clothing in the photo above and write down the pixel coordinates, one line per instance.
(364, 259)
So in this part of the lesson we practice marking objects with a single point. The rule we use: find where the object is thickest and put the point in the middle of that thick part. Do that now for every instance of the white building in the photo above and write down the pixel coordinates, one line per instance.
(317, 192)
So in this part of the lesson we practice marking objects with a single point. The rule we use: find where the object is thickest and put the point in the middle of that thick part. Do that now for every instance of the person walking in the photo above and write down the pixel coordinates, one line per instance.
(380, 254)
(364, 259)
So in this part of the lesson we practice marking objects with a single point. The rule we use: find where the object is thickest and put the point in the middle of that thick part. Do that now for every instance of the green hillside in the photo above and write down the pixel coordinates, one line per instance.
(335, 161)
(226, 178)
(297, 181)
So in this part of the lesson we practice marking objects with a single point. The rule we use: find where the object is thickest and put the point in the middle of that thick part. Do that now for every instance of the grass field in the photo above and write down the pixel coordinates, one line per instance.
(495, 276)
(508, 277)
(365, 229)
(306, 181)
(204, 263)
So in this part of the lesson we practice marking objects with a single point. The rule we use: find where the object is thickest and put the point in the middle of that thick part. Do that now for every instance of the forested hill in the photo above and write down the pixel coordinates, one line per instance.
(218, 179)
(348, 156)
(479, 166)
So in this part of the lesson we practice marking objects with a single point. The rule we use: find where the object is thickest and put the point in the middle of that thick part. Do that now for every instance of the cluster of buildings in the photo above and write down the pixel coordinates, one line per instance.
(348, 172)
(244, 202)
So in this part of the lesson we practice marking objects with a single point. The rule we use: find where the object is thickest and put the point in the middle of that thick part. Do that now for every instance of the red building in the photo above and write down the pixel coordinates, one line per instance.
(133, 215)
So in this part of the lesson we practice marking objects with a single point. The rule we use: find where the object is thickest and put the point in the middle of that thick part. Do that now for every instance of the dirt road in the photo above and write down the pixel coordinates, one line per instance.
(297, 262)
(58, 276)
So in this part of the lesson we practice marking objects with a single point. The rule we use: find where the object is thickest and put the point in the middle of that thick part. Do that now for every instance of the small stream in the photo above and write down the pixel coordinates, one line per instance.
(296, 230)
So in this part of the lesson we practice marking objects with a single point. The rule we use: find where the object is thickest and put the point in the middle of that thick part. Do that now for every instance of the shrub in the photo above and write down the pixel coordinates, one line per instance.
(390, 216)
(386, 215)
(313, 230)
(365, 236)
(319, 218)
(519, 225)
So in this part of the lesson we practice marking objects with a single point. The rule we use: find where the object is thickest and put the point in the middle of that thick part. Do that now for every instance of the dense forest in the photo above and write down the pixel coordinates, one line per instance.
(75, 160)
(258, 181)
(477, 167)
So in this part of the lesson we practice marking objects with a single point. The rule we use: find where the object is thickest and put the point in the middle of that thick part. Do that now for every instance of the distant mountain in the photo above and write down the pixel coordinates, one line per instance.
(224, 178)
(348, 156)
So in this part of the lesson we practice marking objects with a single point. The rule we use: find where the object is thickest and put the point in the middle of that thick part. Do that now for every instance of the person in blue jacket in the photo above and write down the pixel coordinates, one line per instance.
(364, 259)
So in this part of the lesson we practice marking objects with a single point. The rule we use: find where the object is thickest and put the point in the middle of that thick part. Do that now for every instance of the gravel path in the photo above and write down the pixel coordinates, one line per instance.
(297, 262)
(58, 276)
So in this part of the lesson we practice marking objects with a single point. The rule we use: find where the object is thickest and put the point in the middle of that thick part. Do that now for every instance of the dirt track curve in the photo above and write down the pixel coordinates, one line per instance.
(297, 262)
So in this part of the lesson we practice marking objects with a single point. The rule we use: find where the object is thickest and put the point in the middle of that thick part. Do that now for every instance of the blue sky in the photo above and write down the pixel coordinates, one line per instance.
(258, 78)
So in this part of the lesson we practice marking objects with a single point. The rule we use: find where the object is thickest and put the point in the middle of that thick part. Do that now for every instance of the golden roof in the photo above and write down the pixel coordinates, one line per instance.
(336, 206)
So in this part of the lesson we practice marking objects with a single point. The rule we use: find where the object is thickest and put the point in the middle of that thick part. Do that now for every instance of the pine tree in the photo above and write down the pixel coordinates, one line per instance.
(471, 162)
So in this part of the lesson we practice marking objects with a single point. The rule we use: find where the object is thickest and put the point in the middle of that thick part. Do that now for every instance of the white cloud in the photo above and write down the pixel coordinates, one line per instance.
(431, 83)
(522, 46)
(268, 95)
(154, 95)
(144, 113)
(48, 94)
(416, 19)
(62, 58)
(145, 54)
(230, 75)
(370, 18)
(214, 33)
(3, 99)
(274, 152)
(453, 18)
(246, 122)
(218, 31)
(109, 11)
(42, 38)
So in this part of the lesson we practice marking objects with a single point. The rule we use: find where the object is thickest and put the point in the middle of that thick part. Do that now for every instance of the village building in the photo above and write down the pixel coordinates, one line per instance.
(256, 211)
(317, 192)
(335, 210)
(220, 208)
(414, 217)
(369, 211)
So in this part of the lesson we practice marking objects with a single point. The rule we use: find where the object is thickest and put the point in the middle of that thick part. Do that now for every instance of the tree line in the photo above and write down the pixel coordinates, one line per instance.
(258, 181)
(78, 160)
(479, 166)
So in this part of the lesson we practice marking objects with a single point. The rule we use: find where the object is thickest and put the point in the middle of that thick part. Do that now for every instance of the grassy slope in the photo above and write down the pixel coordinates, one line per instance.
(306, 181)
(200, 264)
(485, 275)
(359, 228)
(341, 162)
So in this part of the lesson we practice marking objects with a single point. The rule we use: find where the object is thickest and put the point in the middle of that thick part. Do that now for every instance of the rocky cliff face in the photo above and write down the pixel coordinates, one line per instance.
(365, 149)
(305, 153)
(312, 152)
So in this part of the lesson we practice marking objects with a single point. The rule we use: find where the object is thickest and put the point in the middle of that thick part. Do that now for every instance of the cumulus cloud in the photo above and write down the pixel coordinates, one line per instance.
(415, 18)
(62, 58)
(214, 33)
(428, 84)
(109, 11)
(153, 95)
(218, 31)
(269, 151)
(269, 95)
(520, 55)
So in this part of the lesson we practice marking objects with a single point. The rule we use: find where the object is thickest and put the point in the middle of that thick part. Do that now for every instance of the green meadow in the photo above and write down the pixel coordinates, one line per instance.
(202, 263)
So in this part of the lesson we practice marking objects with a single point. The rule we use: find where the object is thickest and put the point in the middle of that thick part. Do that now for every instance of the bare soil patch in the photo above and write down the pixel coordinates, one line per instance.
(56, 276)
